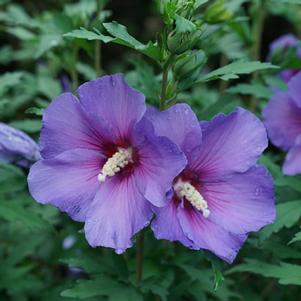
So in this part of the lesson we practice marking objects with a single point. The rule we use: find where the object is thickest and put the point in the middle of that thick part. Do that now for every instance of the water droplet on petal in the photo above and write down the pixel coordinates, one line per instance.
(257, 191)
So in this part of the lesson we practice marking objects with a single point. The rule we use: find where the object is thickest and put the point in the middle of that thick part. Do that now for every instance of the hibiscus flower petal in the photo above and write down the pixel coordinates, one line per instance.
(282, 120)
(231, 143)
(292, 164)
(166, 224)
(114, 101)
(294, 89)
(179, 124)
(207, 235)
(160, 162)
(68, 181)
(66, 126)
(241, 203)
(117, 213)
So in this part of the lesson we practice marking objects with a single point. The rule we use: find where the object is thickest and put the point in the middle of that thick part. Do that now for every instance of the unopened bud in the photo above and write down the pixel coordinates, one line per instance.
(178, 42)
(189, 64)
(218, 12)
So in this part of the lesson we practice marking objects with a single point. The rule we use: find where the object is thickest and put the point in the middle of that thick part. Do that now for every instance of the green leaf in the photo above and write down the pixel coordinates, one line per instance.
(120, 36)
(27, 125)
(288, 215)
(286, 273)
(289, 1)
(11, 178)
(103, 286)
(234, 69)
(257, 90)
(297, 237)
(124, 38)
(183, 25)
(35, 111)
(292, 182)
(83, 33)
(14, 212)
(86, 70)
(120, 31)
(8, 80)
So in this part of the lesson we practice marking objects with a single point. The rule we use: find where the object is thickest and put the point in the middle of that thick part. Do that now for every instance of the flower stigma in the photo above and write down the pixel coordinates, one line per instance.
(115, 163)
(191, 194)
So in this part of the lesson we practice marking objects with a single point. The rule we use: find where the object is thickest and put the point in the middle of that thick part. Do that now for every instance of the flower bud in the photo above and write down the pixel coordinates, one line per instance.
(178, 42)
(189, 63)
(218, 12)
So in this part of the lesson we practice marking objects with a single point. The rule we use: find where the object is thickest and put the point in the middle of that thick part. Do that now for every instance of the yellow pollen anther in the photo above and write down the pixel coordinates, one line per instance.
(188, 191)
(114, 164)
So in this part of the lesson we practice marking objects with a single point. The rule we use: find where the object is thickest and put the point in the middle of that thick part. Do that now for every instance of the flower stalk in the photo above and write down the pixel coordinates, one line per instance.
(139, 258)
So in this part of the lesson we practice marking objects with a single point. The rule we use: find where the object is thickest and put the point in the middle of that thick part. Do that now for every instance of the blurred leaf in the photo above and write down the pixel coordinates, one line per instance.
(234, 69)
(35, 111)
(103, 286)
(255, 89)
(14, 212)
(11, 178)
(86, 70)
(8, 80)
(297, 237)
(286, 273)
(288, 215)
(27, 125)
(292, 182)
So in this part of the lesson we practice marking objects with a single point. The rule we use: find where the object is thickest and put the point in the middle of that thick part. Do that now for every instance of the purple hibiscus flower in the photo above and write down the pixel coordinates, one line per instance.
(282, 117)
(102, 162)
(222, 194)
(17, 147)
(284, 43)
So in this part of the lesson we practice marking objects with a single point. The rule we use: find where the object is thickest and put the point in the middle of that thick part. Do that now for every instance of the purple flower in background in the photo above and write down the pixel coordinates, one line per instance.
(282, 117)
(65, 83)
(102, 162)
(222, 194)
(17, 147)
(284, 43)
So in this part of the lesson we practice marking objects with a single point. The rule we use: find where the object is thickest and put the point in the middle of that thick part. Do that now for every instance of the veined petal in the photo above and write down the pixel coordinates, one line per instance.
(207, 235)
(292, 164)
(66, 126)
(117, 213)
(241, 203)
(67, 181)
(231, 143)
(179, 124)
(282, 119)
(160, 161)
(110, 98)
(166, 224)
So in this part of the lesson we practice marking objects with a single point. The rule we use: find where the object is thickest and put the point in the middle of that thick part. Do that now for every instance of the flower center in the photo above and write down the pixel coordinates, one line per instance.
(191, 194)
(115, 163)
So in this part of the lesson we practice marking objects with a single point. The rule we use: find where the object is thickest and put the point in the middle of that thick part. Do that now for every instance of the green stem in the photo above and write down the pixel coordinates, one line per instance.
(98, 58)
(163, 89)
(165, 70)
(97, 54)
(73, 71)
(139, 258)
(258, 13)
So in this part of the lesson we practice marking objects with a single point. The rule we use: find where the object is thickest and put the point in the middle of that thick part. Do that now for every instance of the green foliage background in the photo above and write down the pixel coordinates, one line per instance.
(45, 43)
